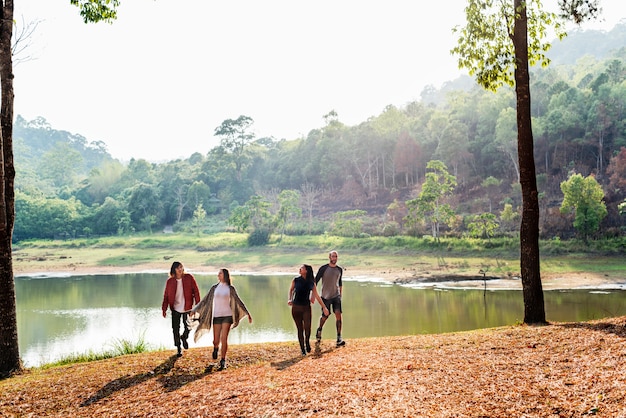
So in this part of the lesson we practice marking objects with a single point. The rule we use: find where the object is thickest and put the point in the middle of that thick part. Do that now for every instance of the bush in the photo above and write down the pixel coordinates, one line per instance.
(259, 237)
(391, 229)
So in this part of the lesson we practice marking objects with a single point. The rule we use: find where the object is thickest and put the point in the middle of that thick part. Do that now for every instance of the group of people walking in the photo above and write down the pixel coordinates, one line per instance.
(222, 309)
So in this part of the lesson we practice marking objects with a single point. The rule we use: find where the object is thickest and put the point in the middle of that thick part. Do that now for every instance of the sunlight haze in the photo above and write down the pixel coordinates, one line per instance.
(157, 82)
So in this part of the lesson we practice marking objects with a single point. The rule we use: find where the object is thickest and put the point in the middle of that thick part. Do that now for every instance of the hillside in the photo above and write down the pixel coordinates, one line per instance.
(67, 186)
(596, 43)
(559, 370)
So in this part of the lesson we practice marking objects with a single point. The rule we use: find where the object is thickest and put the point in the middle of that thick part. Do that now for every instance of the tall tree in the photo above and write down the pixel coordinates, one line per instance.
(9, 349)
(236, 135)
(498, 44)
(91, 11)
(583, 196)
(429, 206)
(289, 208)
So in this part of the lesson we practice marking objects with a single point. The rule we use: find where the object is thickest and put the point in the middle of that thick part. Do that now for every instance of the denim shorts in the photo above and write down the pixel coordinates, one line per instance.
(223, 320)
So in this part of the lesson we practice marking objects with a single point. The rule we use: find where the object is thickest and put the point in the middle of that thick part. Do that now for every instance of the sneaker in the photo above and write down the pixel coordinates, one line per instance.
(215, 353)
(222, 364)
(185, 344)
(318, 334)
(340, 342)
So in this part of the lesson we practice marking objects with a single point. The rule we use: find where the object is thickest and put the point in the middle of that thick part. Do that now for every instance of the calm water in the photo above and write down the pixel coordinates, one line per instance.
(59, 316)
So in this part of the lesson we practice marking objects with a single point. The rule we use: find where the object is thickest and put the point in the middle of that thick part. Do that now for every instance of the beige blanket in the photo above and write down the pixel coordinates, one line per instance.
(201, 316)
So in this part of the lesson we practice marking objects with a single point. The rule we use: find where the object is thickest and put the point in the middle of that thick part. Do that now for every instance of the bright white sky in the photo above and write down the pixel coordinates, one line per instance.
(157, 82)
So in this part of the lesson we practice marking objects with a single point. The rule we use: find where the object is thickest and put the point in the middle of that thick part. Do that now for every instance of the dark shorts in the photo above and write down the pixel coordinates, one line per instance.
(222, 320)
(335, 303)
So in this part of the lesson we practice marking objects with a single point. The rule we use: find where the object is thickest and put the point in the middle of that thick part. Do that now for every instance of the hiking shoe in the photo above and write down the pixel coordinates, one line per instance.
(318, 334)
(222, 364)
(340, 342)
(215, 353)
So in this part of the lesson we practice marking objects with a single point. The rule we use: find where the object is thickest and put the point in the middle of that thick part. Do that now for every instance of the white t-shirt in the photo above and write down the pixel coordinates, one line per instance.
(179, 299)
(221, 301)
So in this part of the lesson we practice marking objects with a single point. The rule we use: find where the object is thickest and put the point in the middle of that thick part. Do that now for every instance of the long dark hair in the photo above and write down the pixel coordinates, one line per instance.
(309, 272)
(175, 265)
(226, 276)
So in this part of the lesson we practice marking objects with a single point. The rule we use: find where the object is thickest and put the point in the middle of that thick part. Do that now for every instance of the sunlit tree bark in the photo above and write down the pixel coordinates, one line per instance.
(497, 45)
(91, 11)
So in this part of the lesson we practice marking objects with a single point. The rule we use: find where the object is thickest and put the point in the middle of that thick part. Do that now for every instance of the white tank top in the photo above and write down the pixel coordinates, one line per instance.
(221, 301)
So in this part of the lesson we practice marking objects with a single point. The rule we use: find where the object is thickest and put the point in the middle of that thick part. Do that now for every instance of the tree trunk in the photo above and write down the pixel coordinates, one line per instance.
(534, 310)
(9, 349)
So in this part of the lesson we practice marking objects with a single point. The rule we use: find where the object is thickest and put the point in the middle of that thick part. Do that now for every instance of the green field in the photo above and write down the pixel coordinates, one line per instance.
(378, 254)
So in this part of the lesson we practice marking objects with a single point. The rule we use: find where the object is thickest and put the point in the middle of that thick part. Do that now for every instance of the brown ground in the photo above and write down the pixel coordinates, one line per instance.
(559, 370)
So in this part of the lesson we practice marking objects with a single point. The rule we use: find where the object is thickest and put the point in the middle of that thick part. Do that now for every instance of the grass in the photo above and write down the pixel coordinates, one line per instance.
(463, 255)
(120, 347)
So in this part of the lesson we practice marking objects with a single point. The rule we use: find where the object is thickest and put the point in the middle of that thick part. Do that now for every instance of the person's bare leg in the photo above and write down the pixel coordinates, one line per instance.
(318, 334)
(224, 341)
(217, 330)
(339, 324)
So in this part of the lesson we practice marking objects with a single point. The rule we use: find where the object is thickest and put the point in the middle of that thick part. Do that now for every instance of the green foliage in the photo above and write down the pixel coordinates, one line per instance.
(110, 218)
(60, 165)
(508, 217)
(483, 225)
(288, 208)
(259, 237)
(97, 10)
(254, 213)
(145, 206)
(584, 195)
(236, 135)
(485, 44)
(348, 223)
(199, 215)
(622, 208)
(200, 194)
(429, 206)
(47, 217)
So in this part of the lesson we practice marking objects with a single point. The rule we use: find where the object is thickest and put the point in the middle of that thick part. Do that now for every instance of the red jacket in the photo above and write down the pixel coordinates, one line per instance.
(190, 290)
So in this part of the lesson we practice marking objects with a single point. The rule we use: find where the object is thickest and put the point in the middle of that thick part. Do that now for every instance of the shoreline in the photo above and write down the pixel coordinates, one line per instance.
(450, 280)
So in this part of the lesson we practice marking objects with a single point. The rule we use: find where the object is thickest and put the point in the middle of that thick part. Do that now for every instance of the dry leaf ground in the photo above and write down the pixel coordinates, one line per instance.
(558, 370)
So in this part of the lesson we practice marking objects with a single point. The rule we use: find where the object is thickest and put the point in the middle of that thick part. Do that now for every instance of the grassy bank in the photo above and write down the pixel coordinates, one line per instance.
(403, 256)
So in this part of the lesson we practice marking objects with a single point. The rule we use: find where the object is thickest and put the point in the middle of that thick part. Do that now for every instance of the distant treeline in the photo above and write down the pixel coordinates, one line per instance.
(68, 186)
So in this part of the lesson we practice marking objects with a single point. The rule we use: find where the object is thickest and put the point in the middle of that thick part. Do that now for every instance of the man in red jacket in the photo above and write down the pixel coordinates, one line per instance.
(181, 294)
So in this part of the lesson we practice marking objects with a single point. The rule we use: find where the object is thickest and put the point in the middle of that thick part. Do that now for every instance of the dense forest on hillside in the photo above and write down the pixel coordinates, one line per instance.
(377, 178)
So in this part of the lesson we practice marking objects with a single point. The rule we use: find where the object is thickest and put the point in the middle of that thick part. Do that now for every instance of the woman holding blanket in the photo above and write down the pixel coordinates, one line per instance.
(222, 309)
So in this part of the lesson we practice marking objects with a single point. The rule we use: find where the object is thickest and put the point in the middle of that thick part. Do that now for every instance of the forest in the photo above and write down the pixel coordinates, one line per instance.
(445, 165)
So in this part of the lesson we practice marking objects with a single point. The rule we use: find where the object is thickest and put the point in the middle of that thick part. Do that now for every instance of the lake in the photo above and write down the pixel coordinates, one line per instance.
(60, 315)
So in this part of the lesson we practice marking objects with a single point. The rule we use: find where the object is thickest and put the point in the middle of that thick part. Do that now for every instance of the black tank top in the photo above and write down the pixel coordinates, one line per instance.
(302, 290)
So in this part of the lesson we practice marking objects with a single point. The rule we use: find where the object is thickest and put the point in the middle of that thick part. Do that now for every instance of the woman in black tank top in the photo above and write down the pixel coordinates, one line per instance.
(300, 301)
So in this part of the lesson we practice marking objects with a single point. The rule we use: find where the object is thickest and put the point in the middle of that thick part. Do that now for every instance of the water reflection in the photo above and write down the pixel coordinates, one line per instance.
(59, 316)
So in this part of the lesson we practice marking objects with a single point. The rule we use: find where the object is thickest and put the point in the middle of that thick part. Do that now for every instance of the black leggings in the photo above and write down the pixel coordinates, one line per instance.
(302, 317)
